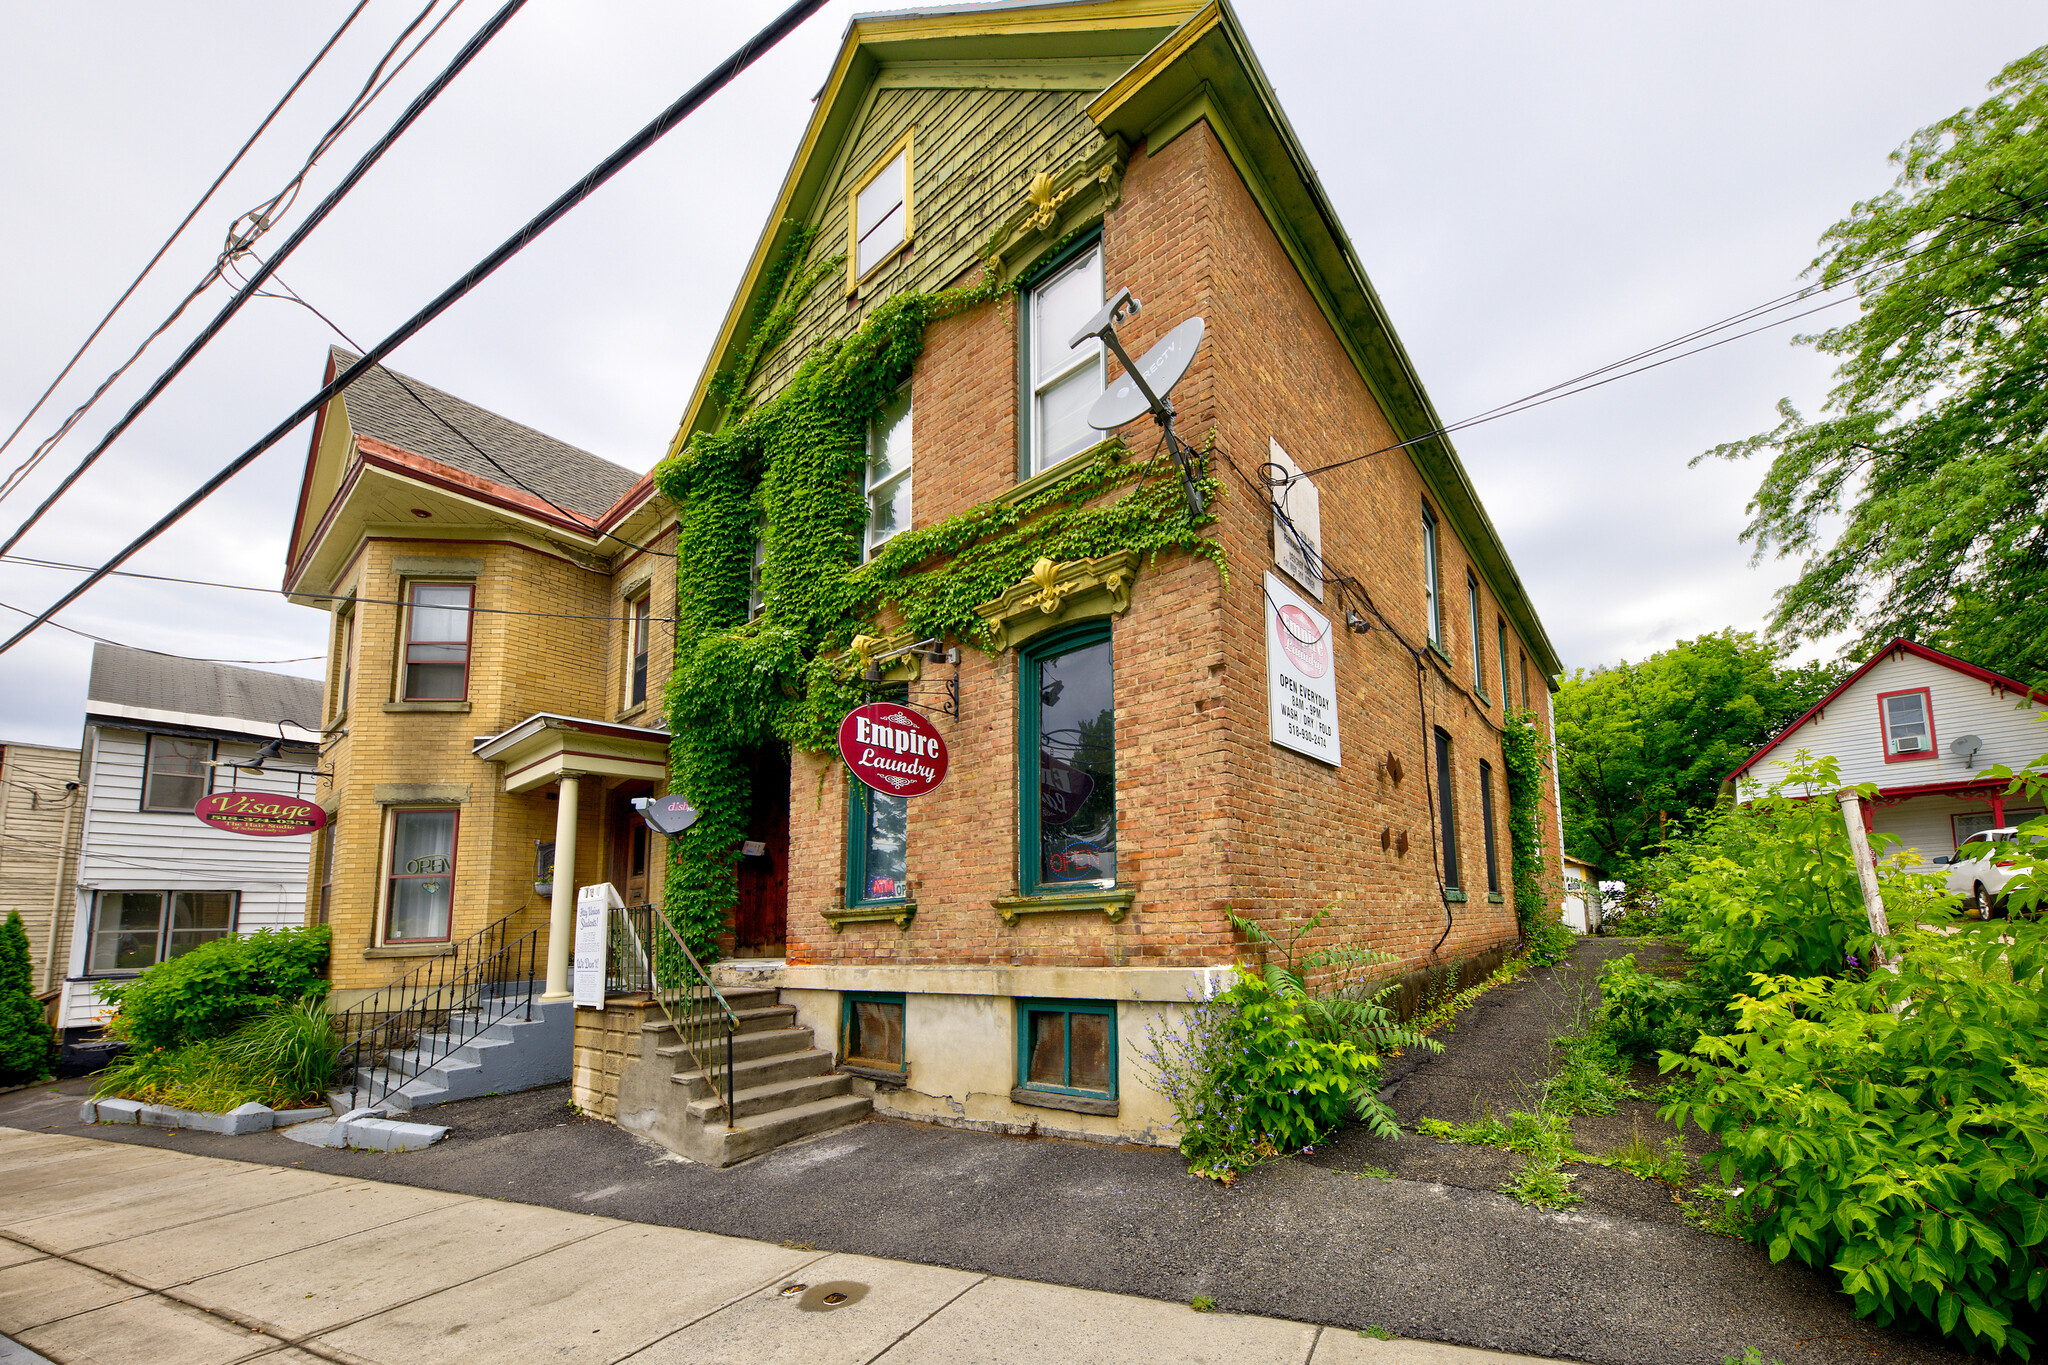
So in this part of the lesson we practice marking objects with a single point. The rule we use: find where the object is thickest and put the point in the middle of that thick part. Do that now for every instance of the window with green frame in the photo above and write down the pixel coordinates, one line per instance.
(1067, 1047)
(871, 1031)
(877, 840)
(1067, 759)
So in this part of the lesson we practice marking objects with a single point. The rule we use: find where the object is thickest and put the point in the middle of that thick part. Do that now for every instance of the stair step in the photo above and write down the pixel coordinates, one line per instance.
(783, 1066)
(774, 1096)
(752, 1020)
(757, 1133)
(746, 1047)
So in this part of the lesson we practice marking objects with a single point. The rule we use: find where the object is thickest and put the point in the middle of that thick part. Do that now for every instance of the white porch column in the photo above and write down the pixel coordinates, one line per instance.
(562, 905)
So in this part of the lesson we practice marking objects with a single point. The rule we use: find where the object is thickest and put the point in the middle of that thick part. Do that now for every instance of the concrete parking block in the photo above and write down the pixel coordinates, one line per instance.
(206, 1193)
(338, 1282)
(590, 1302)
(1002, 1321)
(1340, 1346)
(42, 1291)
(146, 1331)
(885, 1299)
(189, 1252)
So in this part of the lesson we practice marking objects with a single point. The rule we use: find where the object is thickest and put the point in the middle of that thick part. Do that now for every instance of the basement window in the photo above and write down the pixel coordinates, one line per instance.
(1067, 1047)
(871, 1031)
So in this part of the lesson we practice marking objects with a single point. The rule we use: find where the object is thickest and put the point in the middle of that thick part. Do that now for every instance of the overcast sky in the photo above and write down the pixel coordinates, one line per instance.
(1536, 190)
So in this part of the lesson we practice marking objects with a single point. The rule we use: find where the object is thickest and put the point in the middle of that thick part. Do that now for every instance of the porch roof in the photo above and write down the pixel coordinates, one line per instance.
(546, 747)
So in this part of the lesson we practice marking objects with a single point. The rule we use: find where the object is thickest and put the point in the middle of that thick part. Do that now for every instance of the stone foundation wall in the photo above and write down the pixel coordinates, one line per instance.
(607, 1042)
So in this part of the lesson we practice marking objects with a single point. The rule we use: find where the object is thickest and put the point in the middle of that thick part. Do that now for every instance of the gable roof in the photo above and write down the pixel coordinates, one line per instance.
(1892, 650)
(140, 684)
(1188, 60)
(379, 407)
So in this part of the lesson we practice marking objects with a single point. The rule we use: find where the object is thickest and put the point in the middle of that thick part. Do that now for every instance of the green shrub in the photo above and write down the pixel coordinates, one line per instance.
(295, 1045)
(1643, 1014)
(1593, 1078)
(214, 989)
(28, 1045)
(1893, 1129)
(284, 1057)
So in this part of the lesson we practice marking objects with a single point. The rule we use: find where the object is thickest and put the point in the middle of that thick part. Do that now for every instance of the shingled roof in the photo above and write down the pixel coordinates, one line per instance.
(380, 408)
(130, 682)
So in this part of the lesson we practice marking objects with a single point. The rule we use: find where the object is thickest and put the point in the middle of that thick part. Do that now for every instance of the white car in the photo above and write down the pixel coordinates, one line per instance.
(1980, 871)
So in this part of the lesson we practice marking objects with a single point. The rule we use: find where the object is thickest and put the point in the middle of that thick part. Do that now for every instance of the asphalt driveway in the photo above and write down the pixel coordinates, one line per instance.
(1430, 1251)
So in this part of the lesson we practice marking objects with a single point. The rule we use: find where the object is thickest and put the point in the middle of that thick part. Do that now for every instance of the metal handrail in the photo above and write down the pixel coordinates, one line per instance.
(704, 1015)
(403, 1030)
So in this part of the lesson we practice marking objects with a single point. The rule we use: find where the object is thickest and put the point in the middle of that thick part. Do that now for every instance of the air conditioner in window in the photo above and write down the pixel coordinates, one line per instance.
(1909, 744)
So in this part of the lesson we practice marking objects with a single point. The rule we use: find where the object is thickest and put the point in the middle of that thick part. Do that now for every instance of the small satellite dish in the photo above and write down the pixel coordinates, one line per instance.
(1162, 367)
(1966, 747)
(667, 815)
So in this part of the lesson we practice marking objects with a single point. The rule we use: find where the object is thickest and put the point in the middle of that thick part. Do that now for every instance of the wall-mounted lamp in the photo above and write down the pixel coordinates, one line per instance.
(1355, 623)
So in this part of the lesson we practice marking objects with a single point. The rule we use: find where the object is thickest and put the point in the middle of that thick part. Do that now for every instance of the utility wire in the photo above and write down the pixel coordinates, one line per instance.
(103, 640)
(719, 76)
(179, 230)
(326, 206)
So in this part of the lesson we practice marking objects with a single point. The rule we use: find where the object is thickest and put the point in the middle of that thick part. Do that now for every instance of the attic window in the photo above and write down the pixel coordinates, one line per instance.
(878, 216)
(1908, 724)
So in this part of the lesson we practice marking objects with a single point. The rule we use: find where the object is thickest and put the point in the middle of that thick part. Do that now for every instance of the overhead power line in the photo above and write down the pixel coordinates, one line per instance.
(630, 151)
(419, 105)
(184, 223)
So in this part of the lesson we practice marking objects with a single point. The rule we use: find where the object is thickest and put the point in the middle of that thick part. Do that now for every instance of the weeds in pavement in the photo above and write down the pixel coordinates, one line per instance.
(1443, 1002)
(1377, 1334)
(1373, 1173)
(1543, 1184)
(1750, 1356)
(1645, 1162)
(1202, 1303)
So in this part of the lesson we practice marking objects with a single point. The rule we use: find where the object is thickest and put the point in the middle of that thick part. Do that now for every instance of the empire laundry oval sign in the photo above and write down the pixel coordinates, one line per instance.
(892, 749)
(260, 813)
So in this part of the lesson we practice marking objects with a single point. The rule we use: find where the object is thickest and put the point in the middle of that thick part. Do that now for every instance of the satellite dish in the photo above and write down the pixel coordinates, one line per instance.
(1162, 367)
(1966, 747)
(666, 815)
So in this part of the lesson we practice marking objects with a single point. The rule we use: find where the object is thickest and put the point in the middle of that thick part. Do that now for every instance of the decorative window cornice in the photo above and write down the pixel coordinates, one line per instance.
(1058, 595)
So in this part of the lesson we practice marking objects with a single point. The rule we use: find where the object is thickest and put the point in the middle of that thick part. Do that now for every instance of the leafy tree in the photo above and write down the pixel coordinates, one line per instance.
(1644, 744)
(27, 1044)
(1915, 500)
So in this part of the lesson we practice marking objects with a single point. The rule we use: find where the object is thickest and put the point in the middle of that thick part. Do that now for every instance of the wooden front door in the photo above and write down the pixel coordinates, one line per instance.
(631, 857)
(760, 921)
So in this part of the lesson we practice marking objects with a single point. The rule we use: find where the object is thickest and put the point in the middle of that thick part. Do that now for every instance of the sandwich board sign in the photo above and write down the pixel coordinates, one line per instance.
(594, 906)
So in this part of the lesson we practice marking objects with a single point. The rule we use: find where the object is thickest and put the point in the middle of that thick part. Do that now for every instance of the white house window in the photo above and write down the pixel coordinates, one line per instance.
(1065, 381)
(879, 223)
(642, 608)
(176, 772)
(1431, 595)
(437, 641)
(1478, 640)
(1908, 724)
(888, 475)
(1506, 697)
(132, 930)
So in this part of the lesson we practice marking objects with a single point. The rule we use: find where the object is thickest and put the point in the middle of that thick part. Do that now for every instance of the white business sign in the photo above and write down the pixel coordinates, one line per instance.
(594, 905)
(1301, 675)
(1297, 525)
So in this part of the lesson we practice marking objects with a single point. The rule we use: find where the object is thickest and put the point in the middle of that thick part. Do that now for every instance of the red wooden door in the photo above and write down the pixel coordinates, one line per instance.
(630, 846)
(760, 923)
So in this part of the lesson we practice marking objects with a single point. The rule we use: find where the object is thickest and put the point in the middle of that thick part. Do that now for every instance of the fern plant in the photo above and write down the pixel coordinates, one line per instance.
(1333, 990)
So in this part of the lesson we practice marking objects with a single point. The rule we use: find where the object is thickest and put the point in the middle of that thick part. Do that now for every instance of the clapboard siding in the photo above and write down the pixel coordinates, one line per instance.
(38, 846)
(126, 848)
(974, 155)
(1848, 728)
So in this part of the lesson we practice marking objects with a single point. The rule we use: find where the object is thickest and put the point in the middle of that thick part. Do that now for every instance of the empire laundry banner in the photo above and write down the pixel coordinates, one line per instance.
(1301, 675)
(892, 749)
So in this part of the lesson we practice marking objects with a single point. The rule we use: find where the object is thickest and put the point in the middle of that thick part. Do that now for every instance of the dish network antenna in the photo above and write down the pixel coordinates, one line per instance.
(1143, 387)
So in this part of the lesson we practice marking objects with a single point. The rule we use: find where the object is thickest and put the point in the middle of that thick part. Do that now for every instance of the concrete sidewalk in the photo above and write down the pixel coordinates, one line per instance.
(114, 1253)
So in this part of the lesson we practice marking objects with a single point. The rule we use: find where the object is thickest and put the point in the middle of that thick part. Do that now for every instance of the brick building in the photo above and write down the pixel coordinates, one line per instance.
(1140, 745)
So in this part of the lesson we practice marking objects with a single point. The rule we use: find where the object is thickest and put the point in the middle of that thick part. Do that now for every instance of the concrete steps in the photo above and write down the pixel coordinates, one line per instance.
(511, 1054)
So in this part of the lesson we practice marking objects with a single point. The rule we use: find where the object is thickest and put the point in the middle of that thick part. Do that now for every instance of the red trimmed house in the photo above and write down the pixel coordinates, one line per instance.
(1923, 726)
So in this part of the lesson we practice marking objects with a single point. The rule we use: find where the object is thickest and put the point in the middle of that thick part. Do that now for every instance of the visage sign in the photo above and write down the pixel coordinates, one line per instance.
(892, 749)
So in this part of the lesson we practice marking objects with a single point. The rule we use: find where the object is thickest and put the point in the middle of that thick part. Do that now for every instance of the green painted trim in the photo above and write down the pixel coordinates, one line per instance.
(1436, 648)
(847, 1000)
(857, 798)
(1454, 896)
(1059, 473)
(1026, 1007)
(1115, 904)
(1073, 1104)
(1055, 642)
(1026, 280)
(1495, 898)
(898, 912)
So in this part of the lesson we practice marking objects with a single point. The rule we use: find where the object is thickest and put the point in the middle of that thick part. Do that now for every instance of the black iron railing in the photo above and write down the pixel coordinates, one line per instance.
(648, 955)
(396, 1034)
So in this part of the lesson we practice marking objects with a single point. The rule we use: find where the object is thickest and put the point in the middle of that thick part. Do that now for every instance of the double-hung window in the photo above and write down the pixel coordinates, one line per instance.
(176, 772)
(1067, 1047)
(878, 216)
(1486, 822)
(328, 839)
(1431, 582)
(1447, 812)
(345, 657)
(871, 1032)
(888, 474)
(1478, 640)
(133, 930)
(1501, 652)
(877, 841)
(641, 614)
(420, 886)
(1063, 381)
(1525, 681)
(437, 618)
(1908, 724)
(1068, 708)
(757, 586)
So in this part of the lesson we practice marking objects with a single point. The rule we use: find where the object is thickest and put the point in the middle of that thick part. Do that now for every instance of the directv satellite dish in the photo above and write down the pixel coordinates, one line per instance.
(1162, 367)
(1966, 748)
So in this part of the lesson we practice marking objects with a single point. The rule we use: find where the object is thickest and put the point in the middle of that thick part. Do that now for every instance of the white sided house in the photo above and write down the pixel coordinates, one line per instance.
(153, 880)
(1921, 725)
